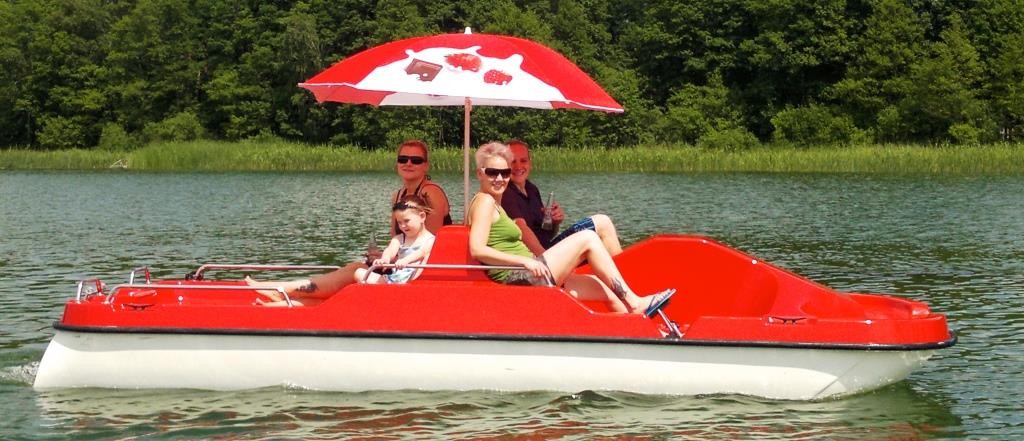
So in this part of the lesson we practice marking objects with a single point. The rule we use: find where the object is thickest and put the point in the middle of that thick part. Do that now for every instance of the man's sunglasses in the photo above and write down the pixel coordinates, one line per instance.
(494, 172)
(415, 160)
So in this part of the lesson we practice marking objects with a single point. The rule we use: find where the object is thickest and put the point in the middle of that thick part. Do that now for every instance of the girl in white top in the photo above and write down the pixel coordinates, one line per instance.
(411, 246)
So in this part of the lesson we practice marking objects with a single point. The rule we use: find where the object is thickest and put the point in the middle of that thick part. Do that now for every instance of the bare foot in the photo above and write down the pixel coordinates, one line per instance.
(657, 301)
(273, 295)
(278, 303)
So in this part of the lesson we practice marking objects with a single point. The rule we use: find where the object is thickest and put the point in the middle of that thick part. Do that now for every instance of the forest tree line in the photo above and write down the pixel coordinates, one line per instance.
(716, 73)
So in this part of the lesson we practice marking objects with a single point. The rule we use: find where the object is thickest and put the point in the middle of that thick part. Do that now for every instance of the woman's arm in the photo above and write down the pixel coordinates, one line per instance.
(529, 238)
(438, 207)
(391, 218)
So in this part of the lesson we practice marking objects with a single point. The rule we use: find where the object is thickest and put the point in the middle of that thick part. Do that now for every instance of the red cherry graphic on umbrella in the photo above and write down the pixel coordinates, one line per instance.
(464, 61)
(497, 77)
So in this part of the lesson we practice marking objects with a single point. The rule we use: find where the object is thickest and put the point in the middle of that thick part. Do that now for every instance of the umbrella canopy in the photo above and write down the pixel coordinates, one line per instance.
(461, 70)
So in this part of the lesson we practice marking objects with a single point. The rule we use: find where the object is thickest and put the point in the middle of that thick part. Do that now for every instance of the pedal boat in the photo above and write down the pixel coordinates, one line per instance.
(737, 325)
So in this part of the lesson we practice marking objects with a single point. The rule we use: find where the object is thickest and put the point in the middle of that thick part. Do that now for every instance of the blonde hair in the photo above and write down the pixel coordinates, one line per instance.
(491, 150)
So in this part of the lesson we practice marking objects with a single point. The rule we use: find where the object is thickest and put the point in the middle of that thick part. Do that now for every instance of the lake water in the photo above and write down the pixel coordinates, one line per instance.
(954, 242)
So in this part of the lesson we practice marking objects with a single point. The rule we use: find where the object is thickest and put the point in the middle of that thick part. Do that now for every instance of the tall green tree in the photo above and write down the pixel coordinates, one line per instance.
(156, 66)
(791, 53)
(16, 110)
(677, 43)
(55, 53)
(1008, 87)
(877, 74)
(694, 111)
(996, 29)
(942, 101)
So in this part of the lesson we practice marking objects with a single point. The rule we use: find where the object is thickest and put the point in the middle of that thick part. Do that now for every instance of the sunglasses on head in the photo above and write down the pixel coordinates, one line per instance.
(405, 205)
(415, 160)
(495, 172)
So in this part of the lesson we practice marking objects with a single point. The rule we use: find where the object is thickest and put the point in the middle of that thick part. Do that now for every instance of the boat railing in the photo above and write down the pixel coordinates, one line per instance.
(198, 274)
(85, 289)
(547, 278)
(90, 287)
(142, 269)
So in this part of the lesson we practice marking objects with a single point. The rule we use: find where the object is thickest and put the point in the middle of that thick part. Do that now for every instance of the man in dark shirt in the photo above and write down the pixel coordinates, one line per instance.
(524, 203)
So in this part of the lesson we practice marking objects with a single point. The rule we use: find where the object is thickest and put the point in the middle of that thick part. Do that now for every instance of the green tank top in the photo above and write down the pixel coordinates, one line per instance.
(505, 236)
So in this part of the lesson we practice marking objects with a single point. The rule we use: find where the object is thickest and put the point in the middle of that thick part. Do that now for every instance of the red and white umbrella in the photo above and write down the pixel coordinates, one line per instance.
(461, 70)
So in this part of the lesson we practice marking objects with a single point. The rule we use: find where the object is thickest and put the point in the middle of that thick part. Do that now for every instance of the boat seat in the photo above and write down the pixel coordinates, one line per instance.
(756, 292)
(451, 246)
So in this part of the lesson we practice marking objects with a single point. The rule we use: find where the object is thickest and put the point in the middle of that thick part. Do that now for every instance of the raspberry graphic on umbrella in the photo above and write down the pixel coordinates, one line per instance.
(464, 61)
(497, 77)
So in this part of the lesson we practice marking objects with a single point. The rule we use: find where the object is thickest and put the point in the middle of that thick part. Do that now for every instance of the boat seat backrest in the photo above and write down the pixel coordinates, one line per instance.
(451, 246)
(712, 279)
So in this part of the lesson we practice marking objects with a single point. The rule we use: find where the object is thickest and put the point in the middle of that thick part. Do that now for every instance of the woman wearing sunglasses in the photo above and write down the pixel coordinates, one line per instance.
(496, 240)
(412, 165)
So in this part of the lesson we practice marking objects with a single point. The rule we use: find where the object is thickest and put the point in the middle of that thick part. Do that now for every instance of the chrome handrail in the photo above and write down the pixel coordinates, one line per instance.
(81, 285)
(144, 269)
(548, 277)
(281, 290)
(131, 280)
(208, 266)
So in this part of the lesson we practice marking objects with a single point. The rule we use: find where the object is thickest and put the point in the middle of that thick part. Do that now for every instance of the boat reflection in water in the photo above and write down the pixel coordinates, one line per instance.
(895, 412)
(736, 326)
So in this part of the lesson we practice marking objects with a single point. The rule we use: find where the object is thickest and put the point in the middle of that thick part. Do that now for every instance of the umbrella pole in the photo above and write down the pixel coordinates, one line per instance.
(465, 162)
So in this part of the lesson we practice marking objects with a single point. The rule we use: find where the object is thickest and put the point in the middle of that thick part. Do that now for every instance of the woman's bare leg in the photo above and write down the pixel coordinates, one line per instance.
(315, 288)
(327, 284)
(279, 303)
(589, 287)
(269, 289)
(606, 231)
(363, 275)
(564, 256)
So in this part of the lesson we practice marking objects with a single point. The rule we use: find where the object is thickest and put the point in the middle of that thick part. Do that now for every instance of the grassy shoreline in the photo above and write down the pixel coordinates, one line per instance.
(1000, 159)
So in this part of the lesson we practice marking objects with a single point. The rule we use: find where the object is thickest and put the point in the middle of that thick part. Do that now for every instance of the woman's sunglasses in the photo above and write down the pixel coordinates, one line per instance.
(415, 160)
(494, 172)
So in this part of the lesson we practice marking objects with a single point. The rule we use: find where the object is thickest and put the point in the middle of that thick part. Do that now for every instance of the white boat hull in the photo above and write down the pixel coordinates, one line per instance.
(232, 362)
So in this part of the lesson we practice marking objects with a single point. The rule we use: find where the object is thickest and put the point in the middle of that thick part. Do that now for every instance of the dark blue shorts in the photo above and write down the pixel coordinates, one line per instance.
(586, 223)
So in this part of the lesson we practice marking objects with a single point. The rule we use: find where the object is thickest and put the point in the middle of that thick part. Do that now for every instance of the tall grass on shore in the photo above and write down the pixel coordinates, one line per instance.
(1001, 159)
(23, 159)
(998, 159)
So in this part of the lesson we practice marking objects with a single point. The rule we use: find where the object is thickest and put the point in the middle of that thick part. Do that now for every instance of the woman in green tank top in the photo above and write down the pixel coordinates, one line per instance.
(495, 239)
